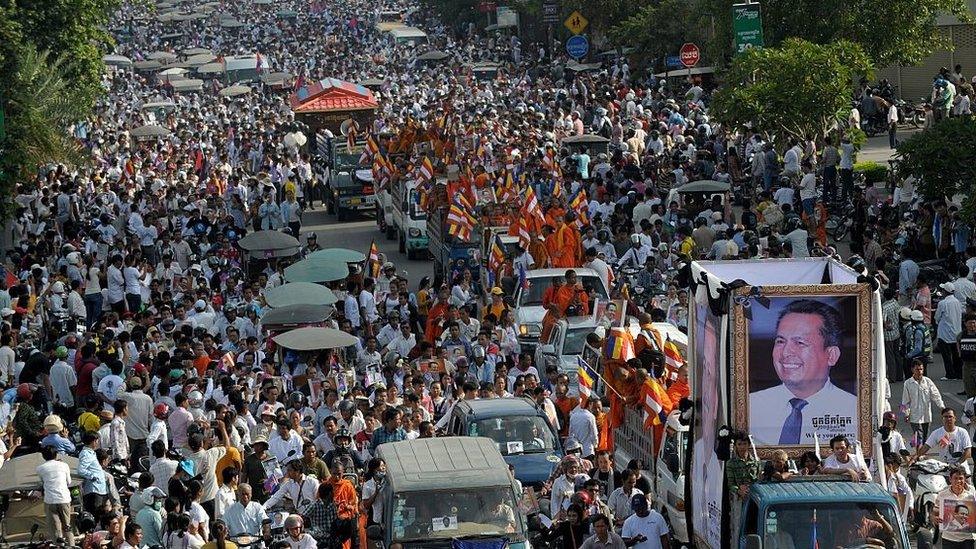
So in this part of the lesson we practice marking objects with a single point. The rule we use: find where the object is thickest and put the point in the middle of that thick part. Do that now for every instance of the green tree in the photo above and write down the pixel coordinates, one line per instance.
(659, 28)
(897, 31)
(795, 90)
(942, 163)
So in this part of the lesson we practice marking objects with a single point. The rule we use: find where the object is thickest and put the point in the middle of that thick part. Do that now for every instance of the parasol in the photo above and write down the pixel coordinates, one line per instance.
(312, 338)
(295, 293)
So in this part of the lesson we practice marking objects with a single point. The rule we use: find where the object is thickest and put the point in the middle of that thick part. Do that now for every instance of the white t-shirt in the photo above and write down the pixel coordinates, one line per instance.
(652, 527)
(853, 463)
(369, 488)
(55, 478)
(946, 444)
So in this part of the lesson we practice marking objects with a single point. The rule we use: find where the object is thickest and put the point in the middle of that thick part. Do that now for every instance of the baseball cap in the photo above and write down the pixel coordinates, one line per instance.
(497, 291)
(948, 286)
(638, 502)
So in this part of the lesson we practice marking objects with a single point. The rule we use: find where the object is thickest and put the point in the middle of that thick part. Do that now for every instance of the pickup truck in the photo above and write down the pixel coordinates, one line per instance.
(566, 341)
(529, 310)
(409, 219)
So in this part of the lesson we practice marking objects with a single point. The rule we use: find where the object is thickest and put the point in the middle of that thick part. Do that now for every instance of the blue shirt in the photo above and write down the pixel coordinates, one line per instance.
(907, 274)
(91, 472)
(948, 317)
(59, 443)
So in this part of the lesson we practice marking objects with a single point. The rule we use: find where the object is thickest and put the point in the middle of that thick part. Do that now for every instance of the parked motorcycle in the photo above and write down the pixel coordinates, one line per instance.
(926, 478)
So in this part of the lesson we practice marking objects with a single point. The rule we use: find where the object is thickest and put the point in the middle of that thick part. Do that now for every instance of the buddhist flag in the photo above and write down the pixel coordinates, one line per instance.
(426, 169)
(620, 345)
(657, 404)
(374, 260)
(672, 355)
(580, 205)
(371, 145)
(524, 236)
(533, 210)
(557, 190)
(497, 256)
(460, 219)
(587, 377)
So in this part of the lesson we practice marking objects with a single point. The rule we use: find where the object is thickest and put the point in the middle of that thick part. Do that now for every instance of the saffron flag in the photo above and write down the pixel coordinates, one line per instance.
(374, 260)
(657, 404)
(587, 377)
(460, 220)
(620, 345)
(672, 355)
(426, 169)
(557, 189)
(497, 256)
(580, 205)
(524, 237)
(532, 210)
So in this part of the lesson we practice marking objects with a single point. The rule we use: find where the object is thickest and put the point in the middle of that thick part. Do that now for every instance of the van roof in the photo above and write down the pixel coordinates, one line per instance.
(444, 463)
(819, 491)
(495, 407)
(540, 273)
(408, 32)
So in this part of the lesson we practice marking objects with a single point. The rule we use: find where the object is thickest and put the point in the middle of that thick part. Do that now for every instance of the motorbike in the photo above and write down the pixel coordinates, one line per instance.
(839, 223)
(911, 113)
(926, 478)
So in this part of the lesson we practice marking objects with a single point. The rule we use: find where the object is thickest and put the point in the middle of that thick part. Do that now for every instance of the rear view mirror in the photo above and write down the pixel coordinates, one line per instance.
(375, 532)
(753, 541)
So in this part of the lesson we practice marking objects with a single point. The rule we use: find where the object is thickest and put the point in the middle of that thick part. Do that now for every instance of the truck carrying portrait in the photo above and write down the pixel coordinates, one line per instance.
(802, 365)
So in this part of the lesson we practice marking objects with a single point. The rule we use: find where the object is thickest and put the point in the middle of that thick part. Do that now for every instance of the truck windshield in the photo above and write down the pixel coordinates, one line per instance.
(344, 158)
(840, 524)
(515, 434)
(575, 339)
(457, 514)
(539, 285)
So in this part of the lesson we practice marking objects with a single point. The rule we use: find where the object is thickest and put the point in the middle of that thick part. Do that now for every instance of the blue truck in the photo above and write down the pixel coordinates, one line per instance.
(812, 512)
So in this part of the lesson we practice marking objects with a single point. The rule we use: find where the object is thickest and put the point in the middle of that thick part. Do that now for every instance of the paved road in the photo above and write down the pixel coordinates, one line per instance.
(357, 235)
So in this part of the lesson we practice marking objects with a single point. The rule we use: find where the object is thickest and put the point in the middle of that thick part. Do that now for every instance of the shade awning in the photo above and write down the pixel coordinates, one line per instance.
(20, 473)
(312, 338)
(117, 60)
(234, 91)
(189, 84)
(296, 315)
(316, 270)
(264, 244)
(704, 186)
(343, 255)
(150, 130)
(295, 293)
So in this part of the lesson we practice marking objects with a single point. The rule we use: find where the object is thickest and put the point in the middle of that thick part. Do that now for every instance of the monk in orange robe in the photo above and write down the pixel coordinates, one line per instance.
(540, 256)
(567, 242)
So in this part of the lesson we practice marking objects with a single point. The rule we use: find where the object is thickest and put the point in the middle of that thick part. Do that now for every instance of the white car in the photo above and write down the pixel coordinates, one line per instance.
(528, 300)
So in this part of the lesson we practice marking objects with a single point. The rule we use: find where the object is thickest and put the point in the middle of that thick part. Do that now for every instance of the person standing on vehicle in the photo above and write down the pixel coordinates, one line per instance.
(846, 167)
(919, 394)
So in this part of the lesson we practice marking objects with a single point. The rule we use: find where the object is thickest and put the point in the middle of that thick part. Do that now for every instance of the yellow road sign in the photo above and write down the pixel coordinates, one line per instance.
(576, 23)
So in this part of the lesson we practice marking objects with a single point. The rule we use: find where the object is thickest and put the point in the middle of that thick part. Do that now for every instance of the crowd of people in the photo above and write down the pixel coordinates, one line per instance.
(131, 332)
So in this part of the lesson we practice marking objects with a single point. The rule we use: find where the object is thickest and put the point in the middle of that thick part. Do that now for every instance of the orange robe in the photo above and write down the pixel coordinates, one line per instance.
(565, 404)
(555, 216)
(435, 314)
(346, 501)
(567, 241)
(539, 254)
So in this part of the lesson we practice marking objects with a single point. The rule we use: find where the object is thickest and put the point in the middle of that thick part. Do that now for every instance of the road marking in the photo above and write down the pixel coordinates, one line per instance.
(337, 226)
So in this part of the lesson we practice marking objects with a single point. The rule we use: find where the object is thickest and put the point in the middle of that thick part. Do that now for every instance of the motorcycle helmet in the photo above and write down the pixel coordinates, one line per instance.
(61, 352)
(296, 400)
(857, 263)
(341, 434)
(347, 406)
(161, 410)
(917, 316)
(294, 521)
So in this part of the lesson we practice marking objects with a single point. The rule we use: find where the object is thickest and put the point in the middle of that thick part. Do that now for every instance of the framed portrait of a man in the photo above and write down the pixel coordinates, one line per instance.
(802, 366)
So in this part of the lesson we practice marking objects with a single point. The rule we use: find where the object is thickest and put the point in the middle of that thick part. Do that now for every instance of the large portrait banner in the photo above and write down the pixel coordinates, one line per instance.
(802, 366)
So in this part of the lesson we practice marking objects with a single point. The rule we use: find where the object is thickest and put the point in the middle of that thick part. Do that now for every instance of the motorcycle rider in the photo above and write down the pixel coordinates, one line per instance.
(637, 254)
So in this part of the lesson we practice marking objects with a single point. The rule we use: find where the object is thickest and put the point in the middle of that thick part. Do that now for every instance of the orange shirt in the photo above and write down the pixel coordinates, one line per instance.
(539, 254)
(565, 298)
(435, 314)
(201, 364)
(567, 238)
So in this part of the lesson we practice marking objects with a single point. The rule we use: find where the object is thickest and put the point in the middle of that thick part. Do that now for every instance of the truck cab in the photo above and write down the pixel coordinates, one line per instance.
(518, 428)
(409, 219)
(820, 512)
(349, 185)
(529, 310)
(565, 343)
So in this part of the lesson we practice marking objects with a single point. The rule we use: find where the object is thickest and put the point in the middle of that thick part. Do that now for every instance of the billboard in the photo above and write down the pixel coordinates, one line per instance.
(707, 351)
(802, 356)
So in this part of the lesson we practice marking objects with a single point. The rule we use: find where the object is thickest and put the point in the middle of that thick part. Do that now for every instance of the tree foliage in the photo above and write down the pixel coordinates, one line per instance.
(897, 31)
(943, 161)
(659, 28)
(50, 76)
(795, 90)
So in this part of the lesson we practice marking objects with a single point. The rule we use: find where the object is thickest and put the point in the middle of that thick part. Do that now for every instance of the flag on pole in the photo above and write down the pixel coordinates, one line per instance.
(374, 260)
(581, 206)
(672, 355)
(524, 237)
(657, 404)
(426, 169)
(814, 542)
(523, 279)
(557, 189)
(587, 377)
(620, 345)
(532, 209)
(460, 220)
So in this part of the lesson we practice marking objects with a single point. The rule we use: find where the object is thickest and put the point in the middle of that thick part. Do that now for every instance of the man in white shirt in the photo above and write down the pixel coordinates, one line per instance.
(805, 349)
(582, 427)
(350, 307)
(892, 125)
(367, 303)
(55, 477)
(842, 462)
(403, 341)
(619, 500)
(116, 284)
(918, 396)
(287, 445)
(952, 444)
(791, 160)
(300, 489)
(246, 516)
(645, 529)
(808, 188)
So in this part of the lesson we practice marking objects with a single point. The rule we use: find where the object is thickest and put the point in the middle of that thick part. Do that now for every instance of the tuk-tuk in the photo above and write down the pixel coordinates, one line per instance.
(485, 71)
(697, 196)
(592, 144)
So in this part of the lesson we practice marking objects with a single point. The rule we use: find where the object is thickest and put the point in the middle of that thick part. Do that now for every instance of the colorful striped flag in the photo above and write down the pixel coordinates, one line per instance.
(496, 258)
(587, 377)
(657, 404)
(523, 279)
(533, 210)
(426, 169)
(620, 345)
(524, 237)
(460, 220)
(581, 206)
(672, 355)
(374, 260)
(814, 542)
